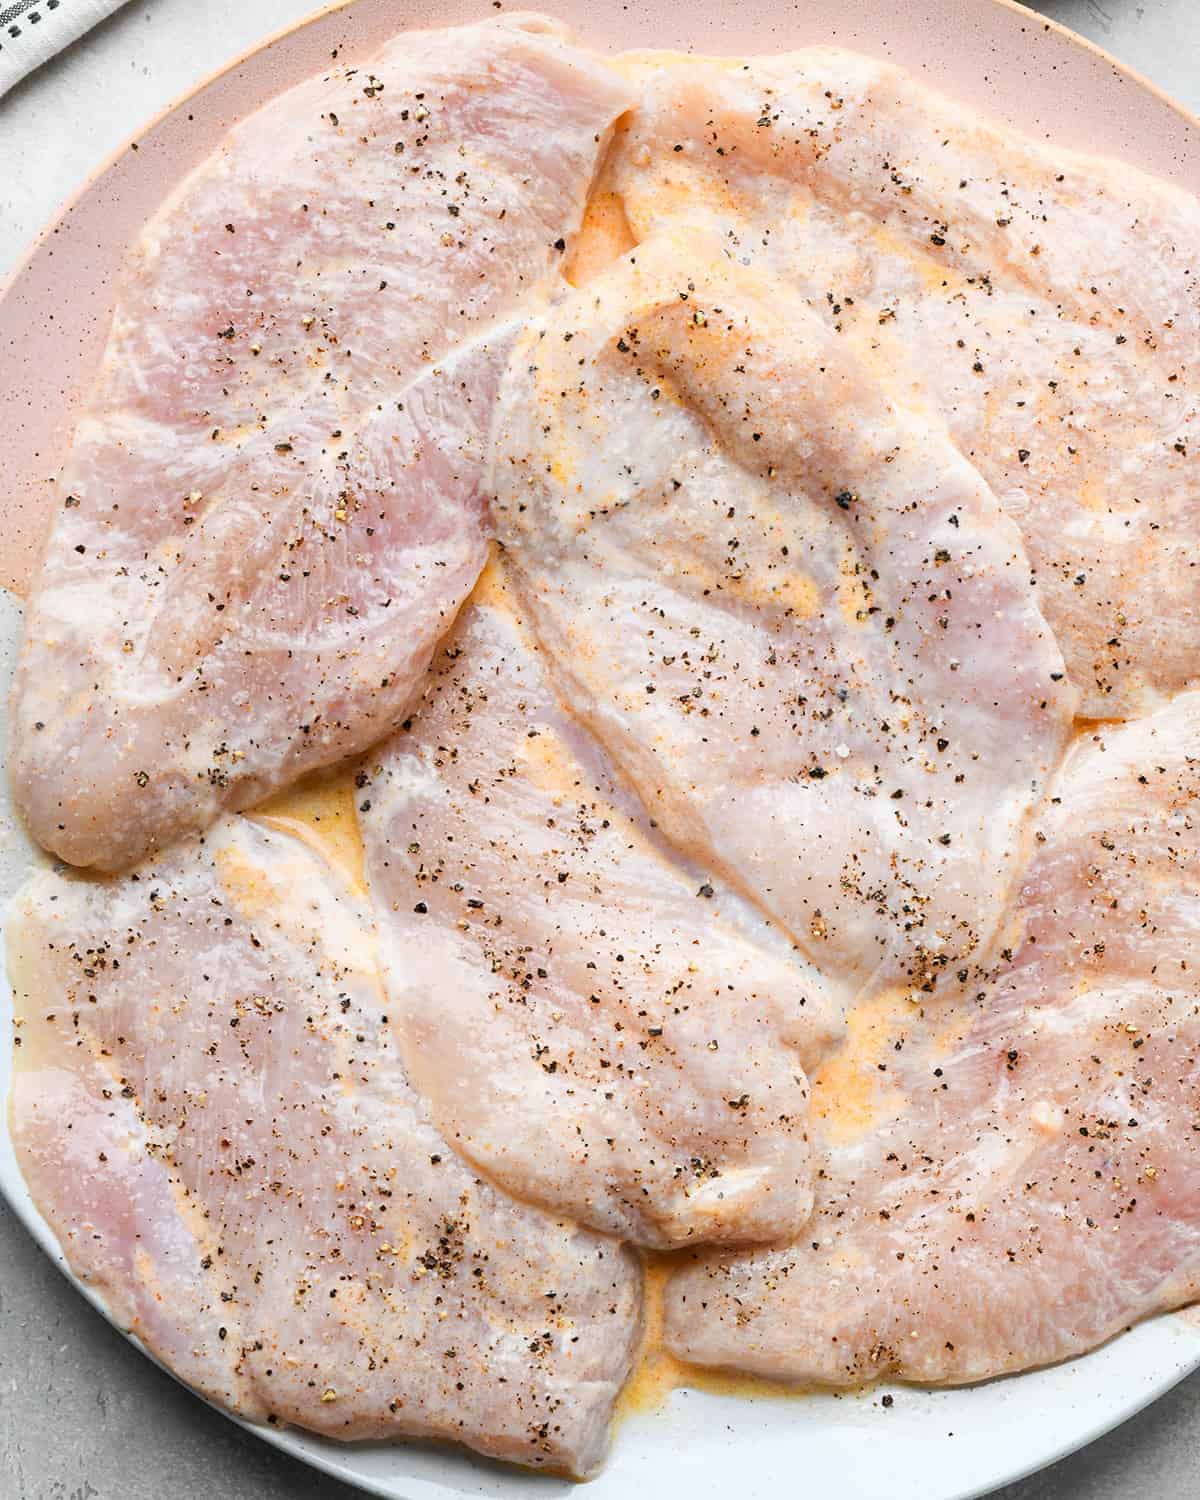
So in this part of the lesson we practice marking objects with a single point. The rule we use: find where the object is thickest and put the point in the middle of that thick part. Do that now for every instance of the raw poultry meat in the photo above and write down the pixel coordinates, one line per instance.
(794, 616)
(586, 1023)
(1014, 1178)
(272, 509)
(1042, 306)
(212, 1112)
(726, 885)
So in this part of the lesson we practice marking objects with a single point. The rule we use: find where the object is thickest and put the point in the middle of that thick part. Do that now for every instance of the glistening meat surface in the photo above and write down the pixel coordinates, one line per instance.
(213, 1114)
(1022, 1178)
(587, 1023)
(724, 635)
(1039, 304)
(273, 508)
(794, 616)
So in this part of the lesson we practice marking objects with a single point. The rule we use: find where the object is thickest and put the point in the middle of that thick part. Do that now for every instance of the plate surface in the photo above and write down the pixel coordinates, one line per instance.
(930, 1445)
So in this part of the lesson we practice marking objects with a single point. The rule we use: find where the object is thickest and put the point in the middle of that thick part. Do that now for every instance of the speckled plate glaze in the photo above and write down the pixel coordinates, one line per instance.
(928, 1445)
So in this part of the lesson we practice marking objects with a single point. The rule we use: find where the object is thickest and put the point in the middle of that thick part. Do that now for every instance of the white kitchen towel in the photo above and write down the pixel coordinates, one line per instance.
(33, 30)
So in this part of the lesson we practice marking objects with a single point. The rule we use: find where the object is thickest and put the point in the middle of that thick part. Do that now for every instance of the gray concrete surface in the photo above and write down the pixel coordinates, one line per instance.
(82, 1415)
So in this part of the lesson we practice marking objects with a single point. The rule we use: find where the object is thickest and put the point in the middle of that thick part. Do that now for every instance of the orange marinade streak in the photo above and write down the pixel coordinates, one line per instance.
(657, 1372)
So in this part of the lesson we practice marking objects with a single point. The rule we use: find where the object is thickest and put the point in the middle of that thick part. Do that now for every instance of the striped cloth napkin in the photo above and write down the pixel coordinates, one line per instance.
(33, 30)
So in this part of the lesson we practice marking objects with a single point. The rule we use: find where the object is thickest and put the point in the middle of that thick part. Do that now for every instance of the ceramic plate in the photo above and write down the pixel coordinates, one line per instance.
(927, 1445)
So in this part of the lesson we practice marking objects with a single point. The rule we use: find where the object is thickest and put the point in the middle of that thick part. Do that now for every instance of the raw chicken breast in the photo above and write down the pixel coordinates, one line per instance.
(1012, 1179)
(1042, 305)
(211, 1111)
(587, 1027)
(273, 507)
(794, 616)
